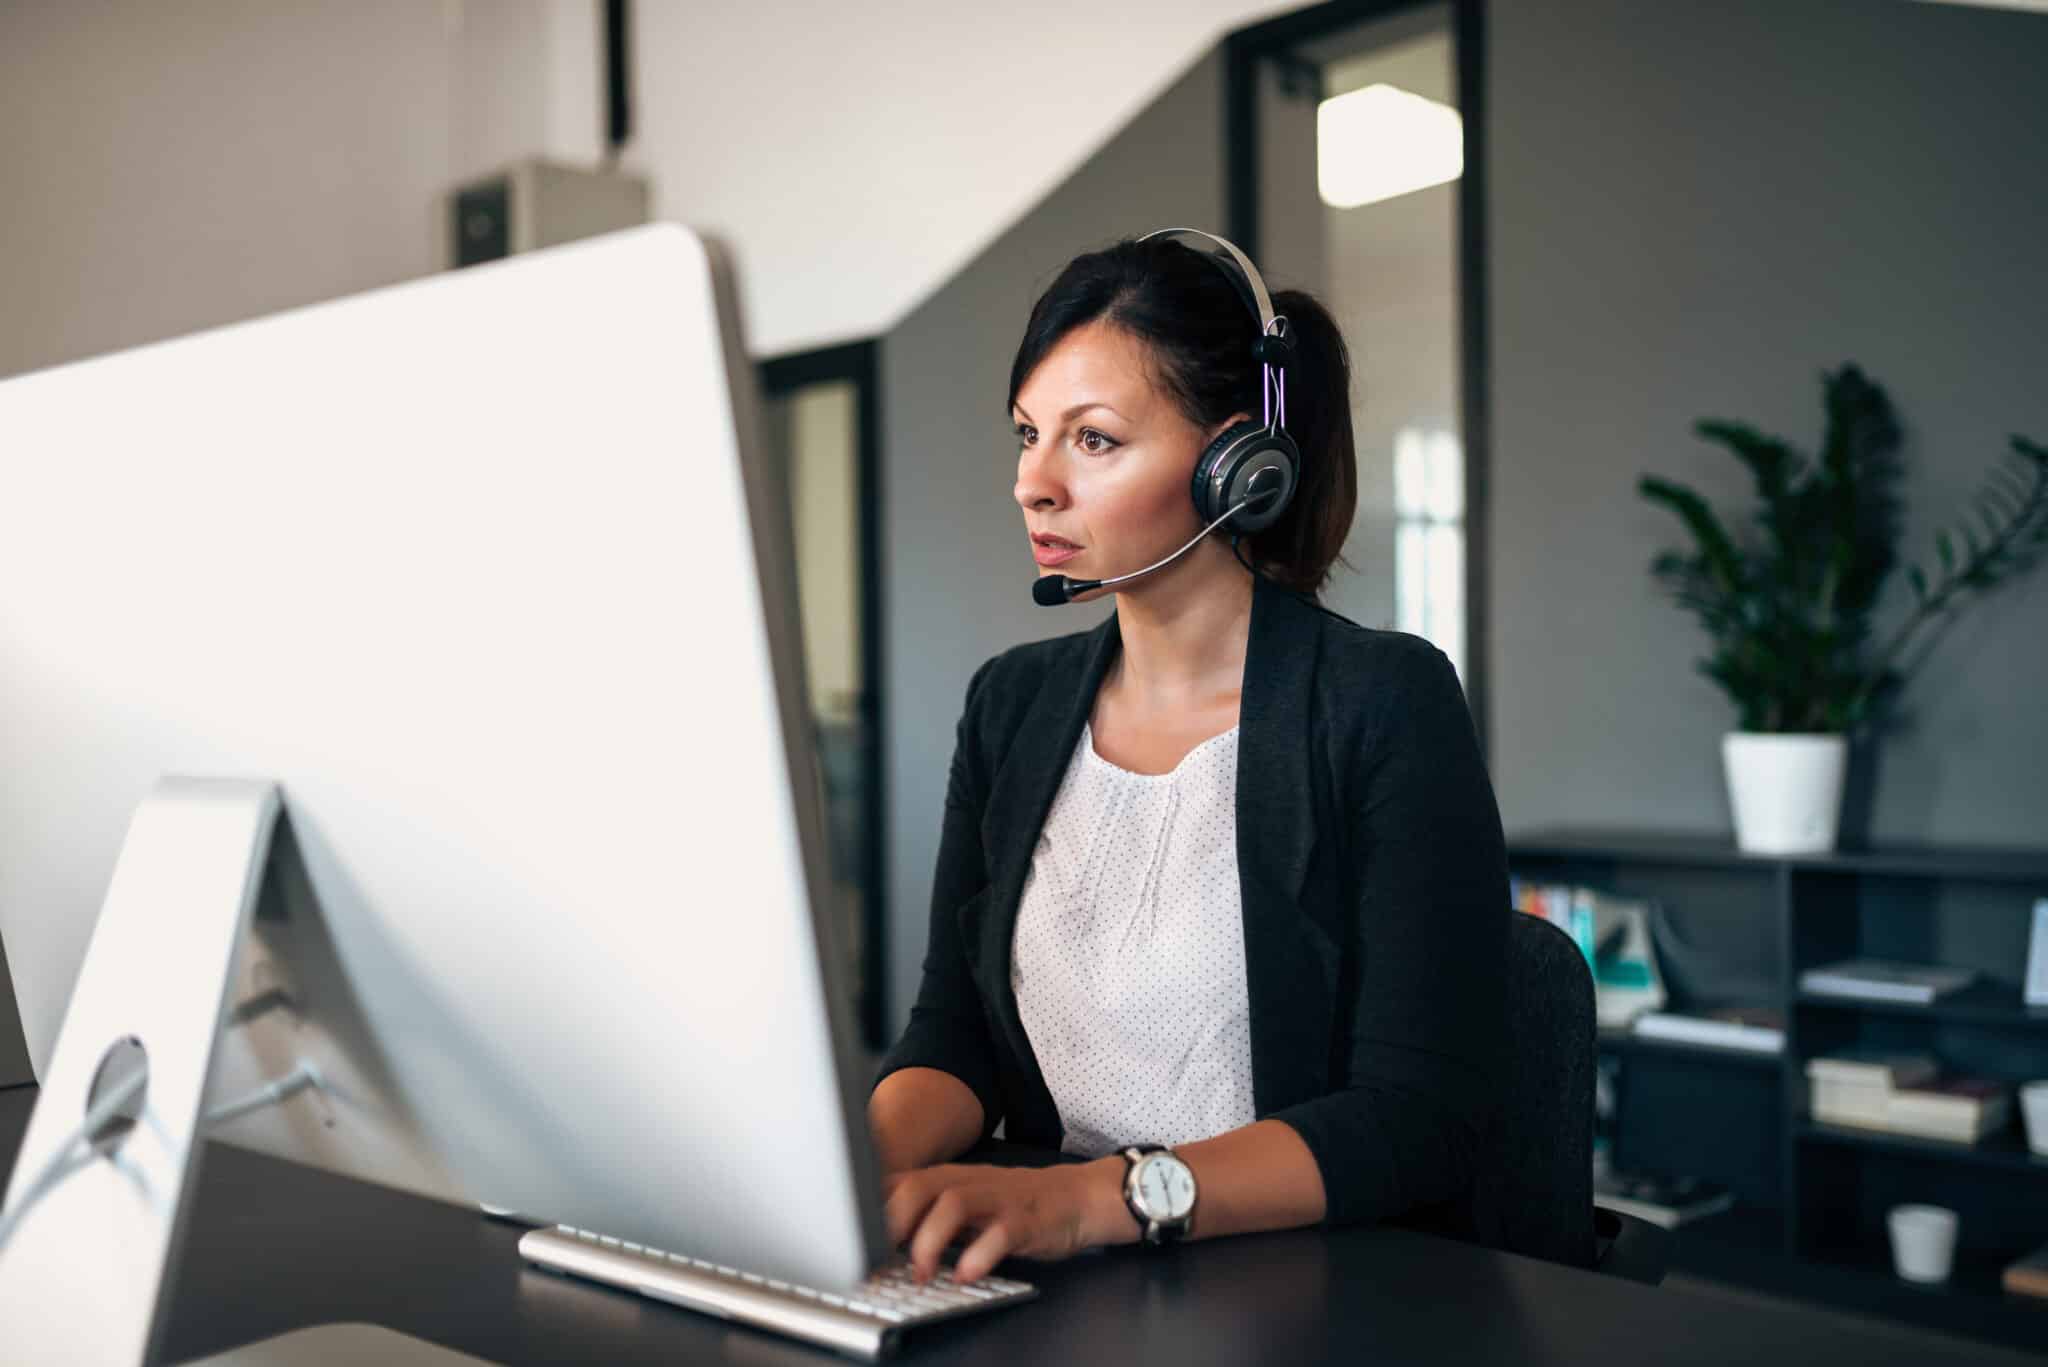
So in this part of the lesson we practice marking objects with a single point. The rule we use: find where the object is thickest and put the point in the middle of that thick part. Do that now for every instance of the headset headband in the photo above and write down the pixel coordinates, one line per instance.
(1276, 340)
(1246, 276)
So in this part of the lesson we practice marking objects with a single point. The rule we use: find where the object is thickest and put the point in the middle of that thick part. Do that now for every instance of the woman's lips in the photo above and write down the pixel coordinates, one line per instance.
(1053, 555)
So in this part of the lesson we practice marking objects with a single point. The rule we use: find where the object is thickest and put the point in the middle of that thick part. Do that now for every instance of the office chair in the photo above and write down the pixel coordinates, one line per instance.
(1540, 1179)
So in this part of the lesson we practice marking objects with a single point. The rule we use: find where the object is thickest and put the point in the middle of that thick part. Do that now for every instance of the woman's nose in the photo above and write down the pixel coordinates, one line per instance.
(1037, 486)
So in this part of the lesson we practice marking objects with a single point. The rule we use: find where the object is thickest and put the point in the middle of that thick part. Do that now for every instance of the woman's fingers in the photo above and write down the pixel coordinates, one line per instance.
(995, 1213)
(979, 1258)
(909, 1195)
(947, 1216)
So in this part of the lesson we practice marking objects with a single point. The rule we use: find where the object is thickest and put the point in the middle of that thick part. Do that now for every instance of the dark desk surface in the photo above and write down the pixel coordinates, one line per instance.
(275, 1246)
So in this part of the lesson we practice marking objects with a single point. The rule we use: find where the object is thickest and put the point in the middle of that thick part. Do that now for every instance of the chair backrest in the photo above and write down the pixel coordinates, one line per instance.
(1539, 1183)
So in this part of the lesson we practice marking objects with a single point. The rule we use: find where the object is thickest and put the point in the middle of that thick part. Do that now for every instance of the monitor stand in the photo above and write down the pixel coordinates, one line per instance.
(94, 1223)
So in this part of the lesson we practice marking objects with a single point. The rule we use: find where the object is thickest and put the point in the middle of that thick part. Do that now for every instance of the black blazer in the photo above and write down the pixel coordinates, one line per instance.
(1374, 882)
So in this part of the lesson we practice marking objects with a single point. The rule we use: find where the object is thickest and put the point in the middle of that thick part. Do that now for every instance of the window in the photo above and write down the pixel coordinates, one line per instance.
(1429, 538)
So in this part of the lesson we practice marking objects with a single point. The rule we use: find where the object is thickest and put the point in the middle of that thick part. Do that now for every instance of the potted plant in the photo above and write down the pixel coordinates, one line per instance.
(1788, 602)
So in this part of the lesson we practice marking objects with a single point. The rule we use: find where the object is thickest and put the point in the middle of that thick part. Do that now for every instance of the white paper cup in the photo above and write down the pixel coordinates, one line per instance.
(1923, 1242)
(2034, 1107)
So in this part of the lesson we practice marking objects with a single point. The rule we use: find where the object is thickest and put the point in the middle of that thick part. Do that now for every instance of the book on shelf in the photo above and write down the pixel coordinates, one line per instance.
(1569, 909)
(1665, 1201)
(1750, 1029)
(2028, 1276)
(1885, 1068)
(1964, 1109)
(1884, 980)
(1906, 1094)
(1855, 1086)
(1614, 935)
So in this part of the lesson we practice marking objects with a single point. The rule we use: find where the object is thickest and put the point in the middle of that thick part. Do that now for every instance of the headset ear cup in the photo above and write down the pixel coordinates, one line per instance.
(1225, 476)
(1206, 487)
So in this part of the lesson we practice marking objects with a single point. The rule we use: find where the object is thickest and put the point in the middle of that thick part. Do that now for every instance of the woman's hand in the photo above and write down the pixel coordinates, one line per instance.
(1033, 1212)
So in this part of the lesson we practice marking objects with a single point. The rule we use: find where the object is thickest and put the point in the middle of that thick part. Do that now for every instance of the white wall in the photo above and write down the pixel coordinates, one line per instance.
(171, 167)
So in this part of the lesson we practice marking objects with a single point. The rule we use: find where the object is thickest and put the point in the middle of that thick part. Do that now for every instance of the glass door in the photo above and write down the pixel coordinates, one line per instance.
(820, 411)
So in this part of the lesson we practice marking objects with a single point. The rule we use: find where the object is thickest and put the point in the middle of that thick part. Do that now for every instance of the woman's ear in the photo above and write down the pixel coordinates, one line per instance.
(1233, 420)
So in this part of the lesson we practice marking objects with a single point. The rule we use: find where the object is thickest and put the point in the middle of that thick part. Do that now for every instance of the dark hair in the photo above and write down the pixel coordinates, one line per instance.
(1199, 330)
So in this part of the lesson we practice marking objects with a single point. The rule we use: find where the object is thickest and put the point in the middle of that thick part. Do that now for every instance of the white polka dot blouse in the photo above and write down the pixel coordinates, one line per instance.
(1128, 962)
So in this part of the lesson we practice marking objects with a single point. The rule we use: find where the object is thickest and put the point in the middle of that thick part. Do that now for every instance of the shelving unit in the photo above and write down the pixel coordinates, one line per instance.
(1624, 1042)
(1979, 1004)
(1811, 1197)
(2005, 1149)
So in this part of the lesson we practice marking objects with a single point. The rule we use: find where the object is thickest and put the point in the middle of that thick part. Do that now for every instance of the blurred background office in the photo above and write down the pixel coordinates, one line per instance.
(1558, 232)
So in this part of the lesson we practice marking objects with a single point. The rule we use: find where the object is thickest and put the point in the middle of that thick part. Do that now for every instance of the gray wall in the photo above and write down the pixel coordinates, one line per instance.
(957, 569)
(1695, 206)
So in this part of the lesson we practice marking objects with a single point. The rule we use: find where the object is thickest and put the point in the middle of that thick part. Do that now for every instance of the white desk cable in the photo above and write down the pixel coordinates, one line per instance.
(302, 1076)
(68, 1157)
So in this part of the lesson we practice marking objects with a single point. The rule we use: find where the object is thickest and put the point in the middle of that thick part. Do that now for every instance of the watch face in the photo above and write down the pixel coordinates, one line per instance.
(1166, 1189)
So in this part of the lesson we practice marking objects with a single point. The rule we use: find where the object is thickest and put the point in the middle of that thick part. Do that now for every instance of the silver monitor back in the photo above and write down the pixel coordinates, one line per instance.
(489, 573)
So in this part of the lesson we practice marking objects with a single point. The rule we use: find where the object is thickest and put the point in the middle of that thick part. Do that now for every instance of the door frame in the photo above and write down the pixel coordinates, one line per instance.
(1275, 39)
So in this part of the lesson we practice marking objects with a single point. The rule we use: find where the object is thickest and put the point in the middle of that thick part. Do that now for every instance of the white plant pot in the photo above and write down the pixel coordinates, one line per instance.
(1785, 789)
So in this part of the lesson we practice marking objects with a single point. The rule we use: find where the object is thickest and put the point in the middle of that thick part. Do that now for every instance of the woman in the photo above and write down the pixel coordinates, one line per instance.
(1225, 873)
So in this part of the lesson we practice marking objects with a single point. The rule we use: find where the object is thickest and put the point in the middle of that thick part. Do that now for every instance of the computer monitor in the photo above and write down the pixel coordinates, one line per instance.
(490, 574)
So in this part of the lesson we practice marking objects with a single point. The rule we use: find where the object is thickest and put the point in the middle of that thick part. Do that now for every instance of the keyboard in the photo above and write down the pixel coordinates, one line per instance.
(863, 1321)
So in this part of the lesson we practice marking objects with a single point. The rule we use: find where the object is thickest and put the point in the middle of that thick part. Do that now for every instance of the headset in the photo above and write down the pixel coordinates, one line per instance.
(1249, 472)
(1254, 462)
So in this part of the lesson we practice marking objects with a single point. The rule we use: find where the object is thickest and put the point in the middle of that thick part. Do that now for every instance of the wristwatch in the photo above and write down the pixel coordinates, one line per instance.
(1160, 1191)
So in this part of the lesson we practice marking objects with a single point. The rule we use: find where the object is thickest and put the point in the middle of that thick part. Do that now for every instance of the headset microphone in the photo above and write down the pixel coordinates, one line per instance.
(1055, 589)
(1051, 590)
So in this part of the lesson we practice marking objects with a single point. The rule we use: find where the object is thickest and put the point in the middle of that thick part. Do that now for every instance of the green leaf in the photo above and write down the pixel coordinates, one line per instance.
(1770, 460)
(1723, 561)
(1918, 581)
(1946, 551)
(1860, 422)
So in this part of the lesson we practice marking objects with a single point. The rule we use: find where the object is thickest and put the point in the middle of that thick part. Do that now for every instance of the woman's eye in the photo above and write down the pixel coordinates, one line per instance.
(1102, 442)
(1026, 433)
